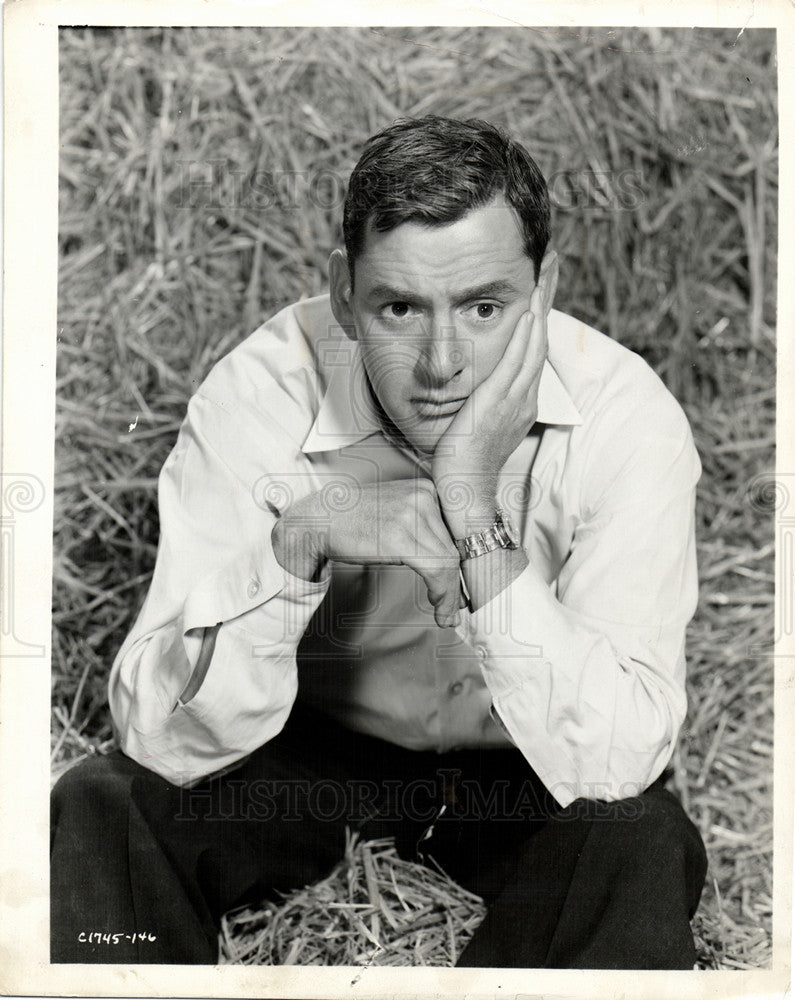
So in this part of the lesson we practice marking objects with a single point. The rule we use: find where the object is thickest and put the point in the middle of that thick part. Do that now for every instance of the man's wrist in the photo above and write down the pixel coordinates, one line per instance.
(490, 574)
(468, 501)
(461, 524)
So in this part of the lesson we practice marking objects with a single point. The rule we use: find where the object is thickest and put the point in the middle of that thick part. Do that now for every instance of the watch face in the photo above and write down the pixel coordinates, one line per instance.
(508, 525)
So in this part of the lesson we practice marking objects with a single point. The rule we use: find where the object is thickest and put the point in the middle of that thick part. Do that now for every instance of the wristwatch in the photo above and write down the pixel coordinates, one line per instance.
(501, 535)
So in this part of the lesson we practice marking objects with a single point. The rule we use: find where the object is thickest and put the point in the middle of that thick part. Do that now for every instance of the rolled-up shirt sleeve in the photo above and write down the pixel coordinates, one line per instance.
(177, 710)
(587, 674)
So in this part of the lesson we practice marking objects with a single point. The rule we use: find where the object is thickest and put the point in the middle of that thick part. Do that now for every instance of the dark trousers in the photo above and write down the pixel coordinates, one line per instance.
(597, 885)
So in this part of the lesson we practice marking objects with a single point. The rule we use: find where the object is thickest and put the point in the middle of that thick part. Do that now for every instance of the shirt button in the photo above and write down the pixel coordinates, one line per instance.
(253, 588)
(481, 651)
(456, 688)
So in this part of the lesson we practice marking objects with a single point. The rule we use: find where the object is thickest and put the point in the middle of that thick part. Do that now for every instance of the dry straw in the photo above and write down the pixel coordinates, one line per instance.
(373, 909)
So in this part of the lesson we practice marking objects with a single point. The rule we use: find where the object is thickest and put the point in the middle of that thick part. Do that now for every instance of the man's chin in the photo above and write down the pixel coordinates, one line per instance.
(424, 439)
(423, 446)
(423, 436)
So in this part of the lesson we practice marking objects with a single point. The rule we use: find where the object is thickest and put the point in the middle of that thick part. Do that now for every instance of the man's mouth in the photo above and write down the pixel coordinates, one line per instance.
(430, 406)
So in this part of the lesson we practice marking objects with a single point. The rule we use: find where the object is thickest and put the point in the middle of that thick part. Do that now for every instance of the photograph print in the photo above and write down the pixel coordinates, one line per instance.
(415, 497)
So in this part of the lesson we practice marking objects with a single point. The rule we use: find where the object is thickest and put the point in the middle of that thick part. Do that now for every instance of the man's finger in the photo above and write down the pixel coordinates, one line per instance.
(516, 349)
(527, 367)
(453, 570)
(528, 339)
(446, 612)
(446, 603)
(548, 279)
(444, 590)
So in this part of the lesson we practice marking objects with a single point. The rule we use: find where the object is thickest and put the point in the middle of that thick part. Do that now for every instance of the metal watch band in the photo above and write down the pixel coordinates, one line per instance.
(481, 542)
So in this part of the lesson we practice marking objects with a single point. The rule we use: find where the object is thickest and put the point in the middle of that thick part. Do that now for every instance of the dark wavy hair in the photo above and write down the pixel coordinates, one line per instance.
(433, 170)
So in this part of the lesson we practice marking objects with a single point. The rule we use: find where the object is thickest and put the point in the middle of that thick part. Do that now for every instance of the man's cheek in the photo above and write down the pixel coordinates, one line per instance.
(384, 364)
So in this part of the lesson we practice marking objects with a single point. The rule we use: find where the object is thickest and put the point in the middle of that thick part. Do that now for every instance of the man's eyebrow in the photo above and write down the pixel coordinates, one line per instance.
(488, 290)
(385, 291)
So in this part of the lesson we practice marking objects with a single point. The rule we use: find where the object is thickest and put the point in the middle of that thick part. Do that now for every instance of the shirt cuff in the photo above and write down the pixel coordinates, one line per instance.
(505, 635)
(244, 584)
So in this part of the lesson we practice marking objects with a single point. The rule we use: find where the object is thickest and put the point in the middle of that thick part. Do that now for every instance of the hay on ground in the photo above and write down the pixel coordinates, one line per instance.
(373, 909)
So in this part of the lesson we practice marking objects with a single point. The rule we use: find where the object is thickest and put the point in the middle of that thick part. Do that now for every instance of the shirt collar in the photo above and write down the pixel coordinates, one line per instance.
(347, 413)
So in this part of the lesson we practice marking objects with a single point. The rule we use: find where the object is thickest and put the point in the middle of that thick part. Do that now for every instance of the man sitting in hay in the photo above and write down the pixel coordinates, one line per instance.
(426, 562)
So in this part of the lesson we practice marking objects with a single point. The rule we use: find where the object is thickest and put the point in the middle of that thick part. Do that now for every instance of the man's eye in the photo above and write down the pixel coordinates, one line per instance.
(398, 310)
(485, 310)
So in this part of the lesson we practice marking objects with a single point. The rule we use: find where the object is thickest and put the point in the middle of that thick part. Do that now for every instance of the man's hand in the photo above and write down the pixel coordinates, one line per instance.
(395, 523)
(496, 417)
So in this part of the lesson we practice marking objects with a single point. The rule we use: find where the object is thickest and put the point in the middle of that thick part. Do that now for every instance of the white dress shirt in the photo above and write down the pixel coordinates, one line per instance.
(579, 663)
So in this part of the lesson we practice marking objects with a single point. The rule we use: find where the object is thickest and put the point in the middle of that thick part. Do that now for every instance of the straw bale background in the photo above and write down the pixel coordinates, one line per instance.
(201, 181)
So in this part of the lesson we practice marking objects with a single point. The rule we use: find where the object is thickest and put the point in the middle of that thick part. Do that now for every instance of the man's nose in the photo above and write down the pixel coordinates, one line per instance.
(443, 355)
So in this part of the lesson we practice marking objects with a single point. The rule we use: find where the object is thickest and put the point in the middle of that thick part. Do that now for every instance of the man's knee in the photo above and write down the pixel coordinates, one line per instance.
(651, 831)
(653, 838)
(672, 831)
(662, 822)
(96, 786)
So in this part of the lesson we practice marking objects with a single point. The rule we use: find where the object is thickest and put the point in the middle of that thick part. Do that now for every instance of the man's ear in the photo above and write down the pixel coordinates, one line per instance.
(548, 278)
(340, 292)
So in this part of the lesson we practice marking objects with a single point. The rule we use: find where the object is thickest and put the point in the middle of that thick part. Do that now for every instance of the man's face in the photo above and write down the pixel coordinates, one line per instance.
(433, 309)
